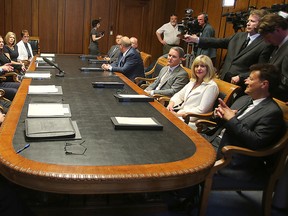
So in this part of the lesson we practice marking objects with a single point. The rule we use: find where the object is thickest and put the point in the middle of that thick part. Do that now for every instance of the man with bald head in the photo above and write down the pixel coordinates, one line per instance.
(129, 62)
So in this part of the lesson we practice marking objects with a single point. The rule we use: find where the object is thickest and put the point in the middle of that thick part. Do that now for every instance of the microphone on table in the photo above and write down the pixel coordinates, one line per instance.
(60, 73)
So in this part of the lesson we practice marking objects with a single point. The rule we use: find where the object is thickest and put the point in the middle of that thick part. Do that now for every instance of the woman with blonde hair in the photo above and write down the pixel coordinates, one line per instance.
(11, 48)
(199, 95)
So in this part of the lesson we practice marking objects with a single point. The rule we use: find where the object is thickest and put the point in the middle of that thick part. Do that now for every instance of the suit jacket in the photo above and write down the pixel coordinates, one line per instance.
(238, 63)
(260, 127)
(114, 53)
(280, 59)
(174, 83)
(207, 31)
(23, 55)
(131, 65)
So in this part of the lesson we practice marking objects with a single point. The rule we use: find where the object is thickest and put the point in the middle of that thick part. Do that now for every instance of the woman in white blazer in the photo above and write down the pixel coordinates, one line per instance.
(22, 50)
(199, 95)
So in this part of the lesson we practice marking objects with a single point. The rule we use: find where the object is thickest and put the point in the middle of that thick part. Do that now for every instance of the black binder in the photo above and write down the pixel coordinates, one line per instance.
(118, 85)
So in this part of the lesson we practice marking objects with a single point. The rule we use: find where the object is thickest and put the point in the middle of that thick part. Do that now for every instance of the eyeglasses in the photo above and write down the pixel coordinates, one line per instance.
(74, 148)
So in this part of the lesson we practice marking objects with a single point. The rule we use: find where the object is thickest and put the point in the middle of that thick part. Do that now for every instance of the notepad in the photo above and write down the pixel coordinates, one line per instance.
(41, 60)
(44, 89)
(48, 110)
(136, 123)
(47, 55)
(133, 98)
(45, 65)
(45, 75)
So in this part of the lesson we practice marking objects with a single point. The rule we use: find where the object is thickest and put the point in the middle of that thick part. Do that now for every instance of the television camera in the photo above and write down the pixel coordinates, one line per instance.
(189, 25)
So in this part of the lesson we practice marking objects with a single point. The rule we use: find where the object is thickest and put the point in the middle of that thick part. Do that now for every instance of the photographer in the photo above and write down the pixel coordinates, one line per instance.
(94, 37)
(243, 49)
(206, 31)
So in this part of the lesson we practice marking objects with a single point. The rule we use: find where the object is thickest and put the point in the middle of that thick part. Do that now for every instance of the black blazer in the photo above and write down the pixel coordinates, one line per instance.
(131, 65)
(238, 63)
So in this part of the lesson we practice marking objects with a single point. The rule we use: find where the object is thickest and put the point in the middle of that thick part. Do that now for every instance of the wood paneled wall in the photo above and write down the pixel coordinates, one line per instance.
(64, 25)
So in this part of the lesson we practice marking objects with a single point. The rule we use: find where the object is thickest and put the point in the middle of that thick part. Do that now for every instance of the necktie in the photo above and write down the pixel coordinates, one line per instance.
(114, 50)
(164, 78)
(242, 110)
(245, 44)
(28, 50)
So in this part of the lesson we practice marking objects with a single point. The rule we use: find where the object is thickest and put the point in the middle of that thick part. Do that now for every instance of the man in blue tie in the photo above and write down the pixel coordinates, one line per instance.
(129, 62)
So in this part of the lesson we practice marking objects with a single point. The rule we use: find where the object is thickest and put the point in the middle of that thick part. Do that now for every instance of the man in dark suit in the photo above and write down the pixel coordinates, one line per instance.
(253, 124)
(129, 62)
(172, 78)
(274, 29)
(243, 49)
(114, 51)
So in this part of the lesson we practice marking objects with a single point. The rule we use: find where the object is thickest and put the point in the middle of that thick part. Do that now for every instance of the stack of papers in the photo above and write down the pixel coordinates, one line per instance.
(44, 89)
(41, 60)
(35, 75)
(48, 110)
(136, 123)
(47, 55)
(133, 98)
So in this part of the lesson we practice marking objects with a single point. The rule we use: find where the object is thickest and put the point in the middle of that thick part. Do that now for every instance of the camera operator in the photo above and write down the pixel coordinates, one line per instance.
(170, 34)
(243, 49)
(206, 31)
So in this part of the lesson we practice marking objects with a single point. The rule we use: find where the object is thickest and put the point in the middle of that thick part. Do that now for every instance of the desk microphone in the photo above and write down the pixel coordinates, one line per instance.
(60, 73)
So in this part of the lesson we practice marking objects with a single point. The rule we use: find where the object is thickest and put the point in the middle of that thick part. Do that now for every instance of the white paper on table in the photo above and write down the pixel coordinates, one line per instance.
(46, 110)
(40, 59)
(133, 96)
(37, 75)
(32, 89)
(136, 120)
(47, 54)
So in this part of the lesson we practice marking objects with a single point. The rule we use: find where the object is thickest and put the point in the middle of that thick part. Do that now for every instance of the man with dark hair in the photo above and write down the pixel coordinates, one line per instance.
(173, 77)
(24, 48)
(243, 49)
(254, 121)
(274, 29)
(206, 31)
(129, 62)
(170, 34)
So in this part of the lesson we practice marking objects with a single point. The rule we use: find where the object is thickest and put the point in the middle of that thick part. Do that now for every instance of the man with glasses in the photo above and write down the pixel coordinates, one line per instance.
(24, 48)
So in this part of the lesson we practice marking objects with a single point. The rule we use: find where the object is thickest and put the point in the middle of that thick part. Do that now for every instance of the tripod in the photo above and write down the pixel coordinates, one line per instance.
(190, 56)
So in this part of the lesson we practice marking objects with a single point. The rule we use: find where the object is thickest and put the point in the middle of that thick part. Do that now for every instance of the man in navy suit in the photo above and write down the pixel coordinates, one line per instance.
(274, 29)
(254, 121)
(241, 52)
(129, 62)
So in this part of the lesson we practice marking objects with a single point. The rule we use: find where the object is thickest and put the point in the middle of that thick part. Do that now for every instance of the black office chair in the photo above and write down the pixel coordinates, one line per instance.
(35, 44)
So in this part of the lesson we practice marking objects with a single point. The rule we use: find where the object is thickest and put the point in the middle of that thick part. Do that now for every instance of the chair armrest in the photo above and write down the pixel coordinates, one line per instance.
(138, 79)
(162, 98)
(203, 124)
(14, 76)
(187, 116)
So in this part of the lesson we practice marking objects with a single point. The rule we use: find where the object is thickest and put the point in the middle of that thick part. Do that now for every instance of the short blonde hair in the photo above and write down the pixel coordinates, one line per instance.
(203, 59)
(6, 39)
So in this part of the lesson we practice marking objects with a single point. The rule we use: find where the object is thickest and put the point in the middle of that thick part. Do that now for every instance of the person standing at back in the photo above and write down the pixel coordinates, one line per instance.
(243, 49)
(168, 33)
(274, 29)
(94, 37)
(24, 48)
(206, 31)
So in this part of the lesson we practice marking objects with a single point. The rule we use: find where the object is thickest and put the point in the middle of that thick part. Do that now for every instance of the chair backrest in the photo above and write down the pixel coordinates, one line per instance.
(154, 72)
(227, 91)
(146, 58)
(35, 44)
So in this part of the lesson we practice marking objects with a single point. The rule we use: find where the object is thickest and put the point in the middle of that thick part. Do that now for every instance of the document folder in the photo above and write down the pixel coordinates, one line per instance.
(43, 129)
(133, 98)
(96, 61)
(91, 69)
(117, 85)
(49, 127)
(48, 110)
(136, 123)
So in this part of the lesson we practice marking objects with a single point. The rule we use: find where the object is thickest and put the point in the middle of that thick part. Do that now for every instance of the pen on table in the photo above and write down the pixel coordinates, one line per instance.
(20, 150)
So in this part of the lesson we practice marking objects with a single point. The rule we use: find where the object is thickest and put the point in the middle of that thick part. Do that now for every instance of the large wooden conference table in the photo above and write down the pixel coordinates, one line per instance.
(116, 161)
